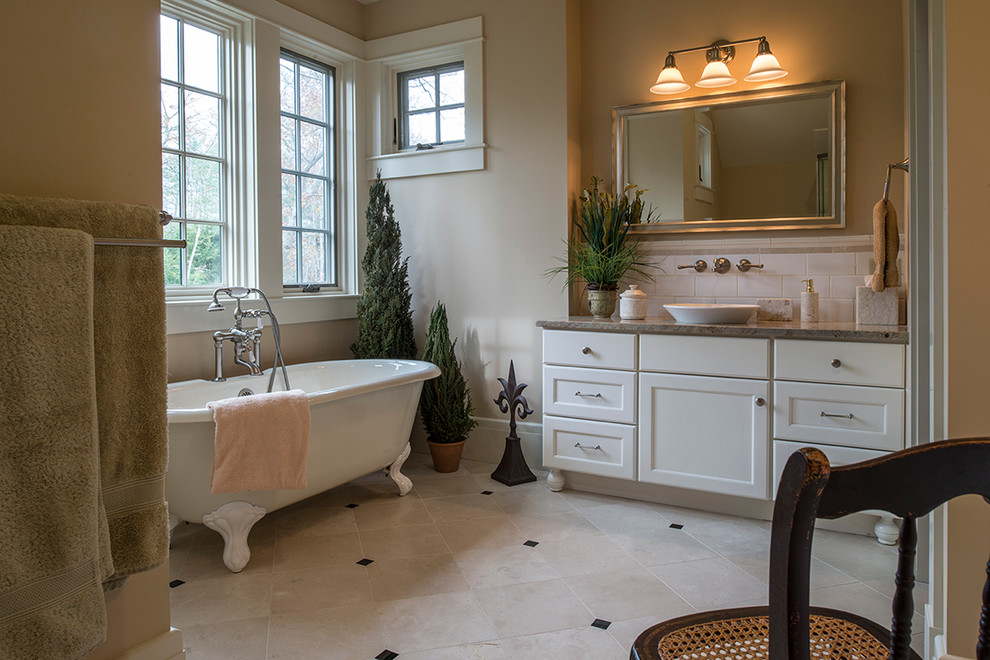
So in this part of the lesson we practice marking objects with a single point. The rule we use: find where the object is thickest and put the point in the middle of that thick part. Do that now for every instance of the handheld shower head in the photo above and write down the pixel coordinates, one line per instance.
(216, 306)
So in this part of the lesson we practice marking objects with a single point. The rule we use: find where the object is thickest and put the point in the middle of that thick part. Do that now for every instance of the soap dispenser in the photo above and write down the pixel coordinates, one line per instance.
(809, 303)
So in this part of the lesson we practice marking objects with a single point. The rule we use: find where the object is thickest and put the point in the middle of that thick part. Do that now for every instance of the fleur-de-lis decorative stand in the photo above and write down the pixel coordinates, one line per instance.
(512, 470)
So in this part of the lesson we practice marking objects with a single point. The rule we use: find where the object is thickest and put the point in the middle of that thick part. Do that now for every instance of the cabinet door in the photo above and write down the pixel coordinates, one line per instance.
(704, 433)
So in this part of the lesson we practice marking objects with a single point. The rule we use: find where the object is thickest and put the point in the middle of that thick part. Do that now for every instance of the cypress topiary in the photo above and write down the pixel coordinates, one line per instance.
(385, 325)
(445, 405)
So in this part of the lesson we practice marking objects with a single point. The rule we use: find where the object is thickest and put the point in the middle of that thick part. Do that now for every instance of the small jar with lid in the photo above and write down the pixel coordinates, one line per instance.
(632, 304)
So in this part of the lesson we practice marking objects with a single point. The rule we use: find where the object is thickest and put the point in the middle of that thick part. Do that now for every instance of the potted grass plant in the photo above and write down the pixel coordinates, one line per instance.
(602, 252)
(445, 406)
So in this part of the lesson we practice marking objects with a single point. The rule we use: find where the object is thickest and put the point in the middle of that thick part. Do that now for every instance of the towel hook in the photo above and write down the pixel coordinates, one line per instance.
(903, 165)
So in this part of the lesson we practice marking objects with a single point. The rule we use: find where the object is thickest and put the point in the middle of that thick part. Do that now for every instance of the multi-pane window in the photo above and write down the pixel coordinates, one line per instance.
(194, 168)
(431, 105)
(308, 171)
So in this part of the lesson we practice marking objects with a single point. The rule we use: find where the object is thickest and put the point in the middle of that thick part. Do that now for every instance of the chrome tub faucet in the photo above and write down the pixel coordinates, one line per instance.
(247, 343)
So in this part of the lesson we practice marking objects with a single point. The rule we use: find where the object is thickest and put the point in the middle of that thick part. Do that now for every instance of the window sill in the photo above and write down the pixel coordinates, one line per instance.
(184, 316)
(442, 160)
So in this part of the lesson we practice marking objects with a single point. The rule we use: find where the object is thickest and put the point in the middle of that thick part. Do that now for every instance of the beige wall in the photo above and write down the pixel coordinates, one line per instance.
(479, 241)
(967, 314)
(80, 117)
(860, 42)
(346, 15)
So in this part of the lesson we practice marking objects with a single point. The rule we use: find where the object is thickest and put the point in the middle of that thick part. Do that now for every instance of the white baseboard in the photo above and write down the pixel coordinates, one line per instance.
(167, 646)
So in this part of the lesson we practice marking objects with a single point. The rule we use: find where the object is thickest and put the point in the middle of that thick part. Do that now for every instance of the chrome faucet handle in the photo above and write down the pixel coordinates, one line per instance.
(745, 264)
(698, 265)
(721, 265)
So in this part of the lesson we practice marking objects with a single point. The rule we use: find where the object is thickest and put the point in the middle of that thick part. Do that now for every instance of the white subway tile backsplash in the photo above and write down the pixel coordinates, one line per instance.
(793, 285)
(864, 263)
(836, 310)
(756, 286)
(831, 263)
(844, 286)
(712, 284)
(675, 286)
(783, 264)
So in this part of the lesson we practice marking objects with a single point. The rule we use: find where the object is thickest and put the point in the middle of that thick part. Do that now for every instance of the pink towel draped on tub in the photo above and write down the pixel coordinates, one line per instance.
(261, 443)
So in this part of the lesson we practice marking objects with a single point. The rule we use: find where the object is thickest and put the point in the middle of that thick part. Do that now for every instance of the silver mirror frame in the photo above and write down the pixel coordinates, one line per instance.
(836, 92)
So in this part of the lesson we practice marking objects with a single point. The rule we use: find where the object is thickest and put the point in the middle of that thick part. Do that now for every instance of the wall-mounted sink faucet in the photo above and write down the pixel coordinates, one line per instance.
(721, 265)
(745, 264)
(699, 265)
(247, 343)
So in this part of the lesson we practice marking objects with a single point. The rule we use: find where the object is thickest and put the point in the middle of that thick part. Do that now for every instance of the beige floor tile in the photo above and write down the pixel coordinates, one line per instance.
(689, 517)
(626, 632)
(491, 650)
(581, 500)
(859, 556)
(533, 501)
(298, 552)
(429, 622)
(663, 546)
(585, 555)
(496, 531)
(405, 541)
(246, 639)
(411, 577)
(320, 588)
(462, 507)
(496, 567)
(626, 518)
(334, 497)
(188, 535)
(621, 595)
(711, 583)
(227, 599)
(381, 490)
(584, 643)
(443, 485)
(340, 633)
(554, 526)
(731, 537)
(822, 575)
(860, 599)
(534, 607)
(478, 467)
(316, 521)
(395, 513)
(176, 560)
(487, 483)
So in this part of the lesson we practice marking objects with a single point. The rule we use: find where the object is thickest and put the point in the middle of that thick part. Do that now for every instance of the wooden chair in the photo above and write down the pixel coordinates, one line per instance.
(908, 484)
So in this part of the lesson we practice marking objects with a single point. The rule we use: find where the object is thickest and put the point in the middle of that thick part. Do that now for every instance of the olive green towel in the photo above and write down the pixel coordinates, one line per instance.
(53, 537)
(129, 343)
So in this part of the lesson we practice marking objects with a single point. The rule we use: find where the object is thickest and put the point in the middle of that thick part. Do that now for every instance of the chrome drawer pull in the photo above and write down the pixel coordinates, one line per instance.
(825, 414)
(586, 350)
(836, 363)
(580, 446)
(596, 395)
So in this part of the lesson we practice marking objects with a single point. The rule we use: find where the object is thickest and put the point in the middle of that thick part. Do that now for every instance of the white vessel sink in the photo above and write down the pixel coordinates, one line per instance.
(707, 313)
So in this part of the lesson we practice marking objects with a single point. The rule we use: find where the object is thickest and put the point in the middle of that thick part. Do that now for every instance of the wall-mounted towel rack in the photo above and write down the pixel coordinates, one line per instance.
(163, 218)
(903, 165)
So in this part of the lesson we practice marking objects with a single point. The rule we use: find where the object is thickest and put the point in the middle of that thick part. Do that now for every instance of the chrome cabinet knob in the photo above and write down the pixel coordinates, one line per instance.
(836, 363)
(586, 350)
(760, 402)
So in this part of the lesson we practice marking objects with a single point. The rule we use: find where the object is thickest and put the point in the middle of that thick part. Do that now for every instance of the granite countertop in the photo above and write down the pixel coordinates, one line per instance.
(665, 325)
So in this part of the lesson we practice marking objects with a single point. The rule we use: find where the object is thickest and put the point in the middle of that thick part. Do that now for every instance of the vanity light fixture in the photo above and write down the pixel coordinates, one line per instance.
(716, 73)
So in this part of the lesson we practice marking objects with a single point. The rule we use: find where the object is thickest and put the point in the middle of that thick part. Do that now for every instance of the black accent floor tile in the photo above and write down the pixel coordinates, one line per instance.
(532, 544)
(366, 561)
(351, 506)
(601, 623)
(387, 655)
(176, 583)
(487, 492)
(676, 526)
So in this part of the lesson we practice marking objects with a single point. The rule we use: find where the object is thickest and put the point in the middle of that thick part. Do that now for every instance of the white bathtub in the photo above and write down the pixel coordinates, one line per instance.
(362, 413)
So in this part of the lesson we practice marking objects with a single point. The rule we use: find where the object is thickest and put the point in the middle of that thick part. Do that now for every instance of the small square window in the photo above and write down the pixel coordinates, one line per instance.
(431, 106)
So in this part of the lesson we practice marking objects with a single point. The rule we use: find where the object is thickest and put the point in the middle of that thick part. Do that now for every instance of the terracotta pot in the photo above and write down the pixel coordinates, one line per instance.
(601, 302)
(446, 455)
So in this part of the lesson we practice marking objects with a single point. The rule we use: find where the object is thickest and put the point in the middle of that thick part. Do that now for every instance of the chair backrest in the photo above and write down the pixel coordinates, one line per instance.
(909, 484)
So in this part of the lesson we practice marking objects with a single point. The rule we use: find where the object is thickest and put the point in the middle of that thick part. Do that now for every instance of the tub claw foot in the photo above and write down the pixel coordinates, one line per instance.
(233, 521)
(401, 480)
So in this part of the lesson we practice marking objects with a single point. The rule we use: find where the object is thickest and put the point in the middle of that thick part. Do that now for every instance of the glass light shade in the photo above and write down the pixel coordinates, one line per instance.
(670, 81)
(716, 74)
(765, 67)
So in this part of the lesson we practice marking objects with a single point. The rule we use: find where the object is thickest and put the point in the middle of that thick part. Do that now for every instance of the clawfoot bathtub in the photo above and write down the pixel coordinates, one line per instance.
(361, 411)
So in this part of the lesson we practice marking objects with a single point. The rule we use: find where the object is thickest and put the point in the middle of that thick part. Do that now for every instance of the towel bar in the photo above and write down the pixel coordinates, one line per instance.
(163, 219)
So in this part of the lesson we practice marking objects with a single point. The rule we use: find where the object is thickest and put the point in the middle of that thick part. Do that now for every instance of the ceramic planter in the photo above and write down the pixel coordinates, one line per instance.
(446, 455)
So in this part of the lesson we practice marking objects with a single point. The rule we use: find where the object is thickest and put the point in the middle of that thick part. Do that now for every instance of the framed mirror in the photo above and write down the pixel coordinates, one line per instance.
(760, 159)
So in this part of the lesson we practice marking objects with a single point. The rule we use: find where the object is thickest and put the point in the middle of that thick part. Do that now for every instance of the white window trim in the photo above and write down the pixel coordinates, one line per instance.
(389, 56)
(266, 28)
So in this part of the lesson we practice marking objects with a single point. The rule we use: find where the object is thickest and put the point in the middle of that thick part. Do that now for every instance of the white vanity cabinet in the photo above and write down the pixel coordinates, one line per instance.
(704, 407)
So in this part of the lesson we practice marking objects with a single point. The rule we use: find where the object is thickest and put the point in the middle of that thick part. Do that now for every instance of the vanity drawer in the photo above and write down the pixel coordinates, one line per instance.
(867, 417)
(602, 394)
(714, 356)
(836, 456)
(599, 448)
(590, 349)
(851, 363)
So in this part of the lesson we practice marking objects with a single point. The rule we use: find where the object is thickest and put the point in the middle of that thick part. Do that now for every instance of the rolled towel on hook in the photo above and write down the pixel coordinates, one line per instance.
(886, 244)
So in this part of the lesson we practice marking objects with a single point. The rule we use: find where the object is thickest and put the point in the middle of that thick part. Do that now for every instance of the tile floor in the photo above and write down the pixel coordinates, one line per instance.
(465, 567)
